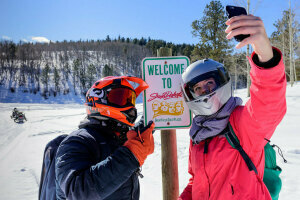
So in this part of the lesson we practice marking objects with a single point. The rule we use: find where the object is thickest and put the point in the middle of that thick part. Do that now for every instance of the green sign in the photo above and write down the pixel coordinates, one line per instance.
(163, 100)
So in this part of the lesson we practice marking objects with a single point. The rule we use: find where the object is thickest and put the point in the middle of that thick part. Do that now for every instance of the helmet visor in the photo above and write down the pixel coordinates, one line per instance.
(220, 78)
(121, 97)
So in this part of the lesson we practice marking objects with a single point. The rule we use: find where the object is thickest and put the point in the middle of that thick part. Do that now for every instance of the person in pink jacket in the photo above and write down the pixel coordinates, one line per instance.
(217, 170)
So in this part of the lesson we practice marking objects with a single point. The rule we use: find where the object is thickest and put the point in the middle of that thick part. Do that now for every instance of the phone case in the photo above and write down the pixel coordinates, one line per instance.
(236, 11)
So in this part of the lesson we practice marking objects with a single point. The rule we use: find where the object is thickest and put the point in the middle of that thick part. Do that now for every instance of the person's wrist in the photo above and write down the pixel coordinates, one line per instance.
(265, 57)
(264, 52)
(274, 61)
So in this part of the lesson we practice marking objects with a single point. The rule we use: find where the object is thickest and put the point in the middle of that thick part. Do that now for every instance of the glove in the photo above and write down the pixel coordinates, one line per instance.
(140, 125)
(141, 144)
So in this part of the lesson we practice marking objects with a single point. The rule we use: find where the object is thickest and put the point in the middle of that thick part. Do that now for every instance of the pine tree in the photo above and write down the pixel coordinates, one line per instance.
(45, 76)
(107, 71)
(210, 31)
(91, 74)
(82, 78)
(108, 38)
(56, 79)
(66, 71)
(75, 73)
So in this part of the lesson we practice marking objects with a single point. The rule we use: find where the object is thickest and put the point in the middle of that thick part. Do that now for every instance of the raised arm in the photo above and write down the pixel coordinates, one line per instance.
(267, 104)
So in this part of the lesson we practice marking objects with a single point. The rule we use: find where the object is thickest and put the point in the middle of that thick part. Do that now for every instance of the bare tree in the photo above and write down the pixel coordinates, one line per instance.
(247, 5)
(287, 37)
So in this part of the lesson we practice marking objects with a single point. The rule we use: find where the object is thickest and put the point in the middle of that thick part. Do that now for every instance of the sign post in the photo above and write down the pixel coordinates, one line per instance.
(164, 104)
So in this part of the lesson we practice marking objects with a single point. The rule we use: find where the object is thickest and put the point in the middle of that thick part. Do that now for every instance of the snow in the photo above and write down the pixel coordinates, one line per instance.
(22, 145)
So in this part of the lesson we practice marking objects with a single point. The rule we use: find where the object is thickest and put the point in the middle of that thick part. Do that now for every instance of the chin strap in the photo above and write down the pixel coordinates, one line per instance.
(120, 130)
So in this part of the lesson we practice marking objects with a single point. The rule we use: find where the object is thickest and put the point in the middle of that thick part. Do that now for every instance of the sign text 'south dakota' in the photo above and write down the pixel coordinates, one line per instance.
(167, 119)
(165, 69)
(165, 95)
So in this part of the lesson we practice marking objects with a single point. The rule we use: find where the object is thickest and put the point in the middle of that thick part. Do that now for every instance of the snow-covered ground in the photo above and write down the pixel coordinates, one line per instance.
(22, 145)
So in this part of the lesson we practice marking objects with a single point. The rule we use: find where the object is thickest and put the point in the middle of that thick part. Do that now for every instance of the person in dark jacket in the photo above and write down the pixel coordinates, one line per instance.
(15, 113)
(101, 159)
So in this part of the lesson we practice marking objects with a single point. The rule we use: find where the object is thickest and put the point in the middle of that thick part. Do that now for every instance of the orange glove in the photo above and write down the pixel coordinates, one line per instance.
(141, 144)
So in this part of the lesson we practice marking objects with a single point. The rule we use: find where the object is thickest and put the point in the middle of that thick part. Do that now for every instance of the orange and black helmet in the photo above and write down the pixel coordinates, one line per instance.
(113, 97)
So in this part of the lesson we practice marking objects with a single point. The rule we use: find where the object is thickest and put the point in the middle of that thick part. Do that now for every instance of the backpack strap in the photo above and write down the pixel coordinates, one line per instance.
(235, 143)
(278, 148)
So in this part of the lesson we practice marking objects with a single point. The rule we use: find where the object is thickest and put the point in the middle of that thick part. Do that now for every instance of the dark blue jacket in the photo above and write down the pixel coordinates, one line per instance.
(47, 189)
(90, 164)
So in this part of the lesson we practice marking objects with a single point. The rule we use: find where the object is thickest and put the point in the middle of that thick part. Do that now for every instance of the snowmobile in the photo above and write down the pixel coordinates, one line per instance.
(20, 118)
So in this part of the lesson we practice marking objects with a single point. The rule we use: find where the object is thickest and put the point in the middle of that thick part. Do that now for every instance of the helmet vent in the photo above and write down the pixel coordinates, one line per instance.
(97, 93)
(117, 81)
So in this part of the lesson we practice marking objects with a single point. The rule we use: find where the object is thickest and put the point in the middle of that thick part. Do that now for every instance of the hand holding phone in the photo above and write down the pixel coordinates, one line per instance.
(232, 11)
(258, 38)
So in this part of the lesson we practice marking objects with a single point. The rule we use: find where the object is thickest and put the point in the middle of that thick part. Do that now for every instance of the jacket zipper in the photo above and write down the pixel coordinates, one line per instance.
(204, 158)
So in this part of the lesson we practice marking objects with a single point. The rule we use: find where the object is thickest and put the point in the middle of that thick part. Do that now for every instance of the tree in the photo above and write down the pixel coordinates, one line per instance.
(142, 41)
(56, 79)
(91, 73)
(135, 41)
(66, 71)
(286, 37)
(75, 73)
(210, 31)
(107, 70)
(187, 51)
(82, 78)
(108, 38)
(45, 76)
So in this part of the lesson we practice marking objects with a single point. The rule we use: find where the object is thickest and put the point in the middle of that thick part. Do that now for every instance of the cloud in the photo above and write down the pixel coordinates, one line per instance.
(40, 39)
(6, 37)
(24, 40)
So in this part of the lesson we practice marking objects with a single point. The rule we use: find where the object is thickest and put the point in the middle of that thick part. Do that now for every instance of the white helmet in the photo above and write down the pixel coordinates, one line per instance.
(206, 104)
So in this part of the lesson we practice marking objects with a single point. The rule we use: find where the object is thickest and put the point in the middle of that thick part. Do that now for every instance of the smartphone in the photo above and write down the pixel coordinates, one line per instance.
(232, 11)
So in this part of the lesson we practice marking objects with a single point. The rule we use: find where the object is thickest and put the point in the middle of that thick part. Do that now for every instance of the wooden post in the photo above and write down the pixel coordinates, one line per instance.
(169, 162)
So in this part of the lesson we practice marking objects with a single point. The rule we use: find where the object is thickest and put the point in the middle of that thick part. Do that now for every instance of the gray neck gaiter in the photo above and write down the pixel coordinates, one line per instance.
(208, 126)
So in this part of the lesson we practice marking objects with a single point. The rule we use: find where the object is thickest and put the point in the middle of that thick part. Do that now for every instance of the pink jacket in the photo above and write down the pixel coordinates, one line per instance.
(222, 173)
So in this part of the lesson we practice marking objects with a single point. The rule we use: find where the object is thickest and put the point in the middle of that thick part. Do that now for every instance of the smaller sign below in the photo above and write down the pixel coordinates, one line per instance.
(163, 100)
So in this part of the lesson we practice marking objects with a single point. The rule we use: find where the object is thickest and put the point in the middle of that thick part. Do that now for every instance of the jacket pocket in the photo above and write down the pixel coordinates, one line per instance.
(232, 189)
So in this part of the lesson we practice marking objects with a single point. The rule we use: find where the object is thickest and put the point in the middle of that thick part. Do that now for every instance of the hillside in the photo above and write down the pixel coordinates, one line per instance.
(71, 67)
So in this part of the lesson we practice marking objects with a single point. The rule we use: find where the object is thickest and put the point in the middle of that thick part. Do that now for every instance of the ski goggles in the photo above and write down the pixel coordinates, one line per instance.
(121, 96)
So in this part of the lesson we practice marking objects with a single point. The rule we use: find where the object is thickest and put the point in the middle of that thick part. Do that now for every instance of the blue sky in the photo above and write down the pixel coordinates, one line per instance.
(57, 20)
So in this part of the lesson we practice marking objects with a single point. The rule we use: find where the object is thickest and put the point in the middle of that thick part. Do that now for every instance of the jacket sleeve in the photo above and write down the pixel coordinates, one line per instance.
(266, 107)
(187, 192)
(78, 178)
